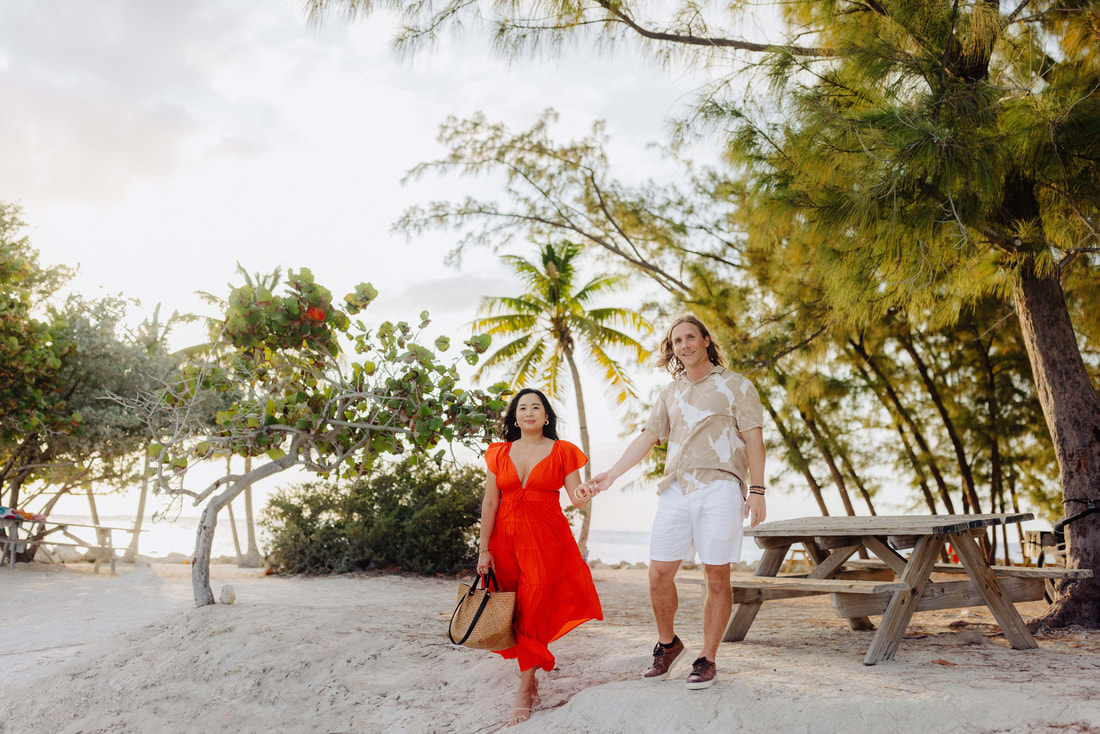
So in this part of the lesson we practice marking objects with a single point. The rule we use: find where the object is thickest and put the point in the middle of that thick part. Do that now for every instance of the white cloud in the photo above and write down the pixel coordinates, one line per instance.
(159, 144)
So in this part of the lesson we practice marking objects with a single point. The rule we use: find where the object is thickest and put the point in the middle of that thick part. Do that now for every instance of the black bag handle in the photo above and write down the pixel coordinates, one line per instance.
(489, 576)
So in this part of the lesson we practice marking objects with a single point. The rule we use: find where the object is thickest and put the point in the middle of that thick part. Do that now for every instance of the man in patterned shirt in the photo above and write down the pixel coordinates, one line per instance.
(712, 420)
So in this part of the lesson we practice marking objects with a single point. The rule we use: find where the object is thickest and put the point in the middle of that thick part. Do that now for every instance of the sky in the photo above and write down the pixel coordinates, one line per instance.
(156, 145)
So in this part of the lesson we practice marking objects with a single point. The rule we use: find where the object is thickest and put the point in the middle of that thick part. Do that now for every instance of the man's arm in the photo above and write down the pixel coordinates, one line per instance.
(755, 506)
(634, 453)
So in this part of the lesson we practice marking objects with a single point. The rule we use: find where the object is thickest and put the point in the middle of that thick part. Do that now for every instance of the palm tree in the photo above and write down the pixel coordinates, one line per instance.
(549, 322)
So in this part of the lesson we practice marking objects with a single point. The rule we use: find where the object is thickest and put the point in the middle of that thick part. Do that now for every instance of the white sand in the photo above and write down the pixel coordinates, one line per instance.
(130, 653)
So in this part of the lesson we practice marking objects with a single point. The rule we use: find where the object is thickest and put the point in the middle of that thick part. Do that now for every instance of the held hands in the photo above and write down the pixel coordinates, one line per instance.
(755, 509)
(595, 485)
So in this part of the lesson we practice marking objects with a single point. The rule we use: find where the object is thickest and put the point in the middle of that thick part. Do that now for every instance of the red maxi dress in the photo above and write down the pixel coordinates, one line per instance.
(535, 555)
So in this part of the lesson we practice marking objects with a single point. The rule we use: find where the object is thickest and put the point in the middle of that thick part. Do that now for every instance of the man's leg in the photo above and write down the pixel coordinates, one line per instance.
(670, 539)
(663, 597)
(716, 608)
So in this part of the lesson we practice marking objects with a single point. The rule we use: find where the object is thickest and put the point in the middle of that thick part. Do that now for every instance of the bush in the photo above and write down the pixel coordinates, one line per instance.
(421, 519)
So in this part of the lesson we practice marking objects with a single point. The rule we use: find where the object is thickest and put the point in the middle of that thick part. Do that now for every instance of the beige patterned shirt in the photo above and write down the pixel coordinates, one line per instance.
(703, 422)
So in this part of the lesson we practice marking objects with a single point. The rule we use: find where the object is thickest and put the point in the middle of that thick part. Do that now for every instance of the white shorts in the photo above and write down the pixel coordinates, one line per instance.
(708, 521)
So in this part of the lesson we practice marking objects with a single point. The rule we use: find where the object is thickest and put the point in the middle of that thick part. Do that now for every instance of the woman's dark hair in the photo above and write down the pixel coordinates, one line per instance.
(510, 431)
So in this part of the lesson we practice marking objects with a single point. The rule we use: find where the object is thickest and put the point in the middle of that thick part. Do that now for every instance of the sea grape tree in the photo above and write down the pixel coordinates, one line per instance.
(293, 381)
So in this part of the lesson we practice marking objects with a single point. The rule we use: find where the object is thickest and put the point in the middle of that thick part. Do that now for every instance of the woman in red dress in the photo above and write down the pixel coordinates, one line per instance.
(527, 541)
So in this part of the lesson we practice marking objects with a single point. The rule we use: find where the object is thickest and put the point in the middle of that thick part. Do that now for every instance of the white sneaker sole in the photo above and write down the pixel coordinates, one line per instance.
(655, 678)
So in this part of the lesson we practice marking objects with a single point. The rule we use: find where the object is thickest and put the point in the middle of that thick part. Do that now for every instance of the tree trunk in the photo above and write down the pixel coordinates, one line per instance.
(208, 522)
(15, 472)
(1072, 411)
(838, 478)
(846, 465)
(251, 558)
(993, 409)
(895, 407)
(233, 528)
(918, 469)
(200, 562)
(582, 419)
(795, 457)
(969, 490)
(100, 535)
(1016, 508)
(229, 509)
(132, 549)
(13, 489)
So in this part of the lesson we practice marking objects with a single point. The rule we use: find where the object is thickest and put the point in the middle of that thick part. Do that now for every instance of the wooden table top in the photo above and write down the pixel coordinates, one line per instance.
(881, 525)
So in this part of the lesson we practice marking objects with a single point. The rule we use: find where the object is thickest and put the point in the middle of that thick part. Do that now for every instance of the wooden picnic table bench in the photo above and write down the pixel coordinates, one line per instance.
(11, 542)
(903, 585)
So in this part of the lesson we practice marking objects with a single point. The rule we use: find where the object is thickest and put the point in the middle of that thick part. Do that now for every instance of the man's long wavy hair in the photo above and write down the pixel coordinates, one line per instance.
(667, 360)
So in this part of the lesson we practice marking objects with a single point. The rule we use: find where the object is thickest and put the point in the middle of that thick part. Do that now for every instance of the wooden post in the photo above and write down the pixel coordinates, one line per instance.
(745, 614)
(986, 581)
(904, 603)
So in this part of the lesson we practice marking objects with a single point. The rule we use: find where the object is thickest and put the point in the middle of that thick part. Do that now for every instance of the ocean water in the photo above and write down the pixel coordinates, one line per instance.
(632, 546)
(165, 537)
(178, 536)
(616, 546)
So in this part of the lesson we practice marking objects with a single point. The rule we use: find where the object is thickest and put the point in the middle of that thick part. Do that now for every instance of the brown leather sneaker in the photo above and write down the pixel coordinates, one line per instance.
(702, 675)
(663, 660)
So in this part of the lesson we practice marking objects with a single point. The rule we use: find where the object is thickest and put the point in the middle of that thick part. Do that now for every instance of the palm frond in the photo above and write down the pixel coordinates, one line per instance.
(615, 374)
(514, 323)
(550, 318)
(522, 304)
(599, 286)
(552, 374)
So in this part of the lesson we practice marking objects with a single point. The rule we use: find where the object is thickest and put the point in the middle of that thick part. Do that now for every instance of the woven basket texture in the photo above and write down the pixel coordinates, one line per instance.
(494, 627)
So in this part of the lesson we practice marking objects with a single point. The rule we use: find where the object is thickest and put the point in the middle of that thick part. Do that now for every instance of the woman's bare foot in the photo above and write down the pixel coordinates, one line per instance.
(521, 709)
(536, 699)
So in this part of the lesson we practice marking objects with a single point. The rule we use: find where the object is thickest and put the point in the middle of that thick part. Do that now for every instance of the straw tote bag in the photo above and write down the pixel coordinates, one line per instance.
(483, 618)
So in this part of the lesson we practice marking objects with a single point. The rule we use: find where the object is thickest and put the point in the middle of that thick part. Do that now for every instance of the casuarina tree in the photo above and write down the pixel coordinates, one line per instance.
(933, 153)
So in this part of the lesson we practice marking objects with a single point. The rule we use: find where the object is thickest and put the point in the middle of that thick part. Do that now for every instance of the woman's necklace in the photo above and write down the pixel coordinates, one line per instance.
(528, 449)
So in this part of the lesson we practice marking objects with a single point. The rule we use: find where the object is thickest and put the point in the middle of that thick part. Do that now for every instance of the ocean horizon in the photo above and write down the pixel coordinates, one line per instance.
(163, 538)
(167, 537)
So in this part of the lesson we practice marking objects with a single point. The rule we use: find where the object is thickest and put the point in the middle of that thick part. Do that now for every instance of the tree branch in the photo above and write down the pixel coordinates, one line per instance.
(714, 42)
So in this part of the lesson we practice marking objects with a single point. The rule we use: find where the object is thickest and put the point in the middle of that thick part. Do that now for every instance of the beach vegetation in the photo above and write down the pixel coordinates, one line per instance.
(297, 380)
(907, 192)
(420, 518)
(250, 557)
(33, 345)
(61, 357)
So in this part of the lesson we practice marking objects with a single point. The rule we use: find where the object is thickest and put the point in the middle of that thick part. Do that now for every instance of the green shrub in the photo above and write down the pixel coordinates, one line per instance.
(421, 519)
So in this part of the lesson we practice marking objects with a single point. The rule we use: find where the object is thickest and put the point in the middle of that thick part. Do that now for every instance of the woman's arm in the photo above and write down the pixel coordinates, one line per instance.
(489, 504)
(572, 481)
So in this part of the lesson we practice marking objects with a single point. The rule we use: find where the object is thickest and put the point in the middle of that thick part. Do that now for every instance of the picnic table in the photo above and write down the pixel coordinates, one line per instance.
(892, 584)
(14, 539)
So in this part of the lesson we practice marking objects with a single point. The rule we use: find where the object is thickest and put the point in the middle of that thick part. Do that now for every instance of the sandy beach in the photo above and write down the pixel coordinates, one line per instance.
(130, 653)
